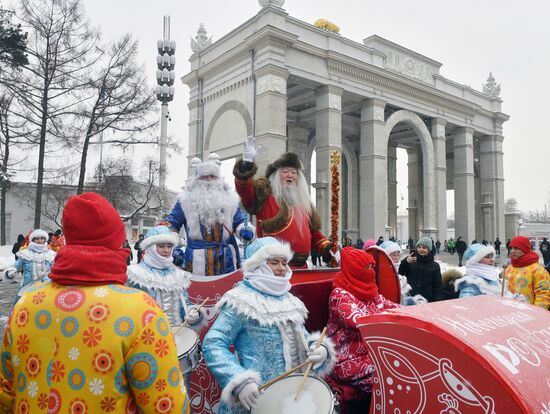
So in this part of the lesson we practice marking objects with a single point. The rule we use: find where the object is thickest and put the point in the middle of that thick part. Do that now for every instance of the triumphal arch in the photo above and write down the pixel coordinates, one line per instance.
(299, 87)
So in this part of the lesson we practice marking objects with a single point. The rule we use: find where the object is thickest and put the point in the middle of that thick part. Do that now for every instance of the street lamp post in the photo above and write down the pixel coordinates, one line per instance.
(166, 61)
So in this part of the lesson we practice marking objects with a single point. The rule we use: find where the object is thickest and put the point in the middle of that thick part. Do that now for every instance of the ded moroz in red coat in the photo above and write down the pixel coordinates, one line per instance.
(354, 294)
(274, 219)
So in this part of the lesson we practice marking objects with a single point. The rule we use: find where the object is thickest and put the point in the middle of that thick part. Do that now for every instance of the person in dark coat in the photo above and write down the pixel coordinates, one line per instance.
(126, 245)
(422, 272)
(137, 247)
(460, 249)
(497, 246)
(17, 245)
(545, 251)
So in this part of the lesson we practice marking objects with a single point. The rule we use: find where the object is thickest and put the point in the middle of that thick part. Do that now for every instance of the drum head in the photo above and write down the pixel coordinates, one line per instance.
(315, 397)
(186, 339)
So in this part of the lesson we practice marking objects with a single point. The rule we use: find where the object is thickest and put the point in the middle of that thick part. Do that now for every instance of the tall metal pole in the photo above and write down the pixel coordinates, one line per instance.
(165, 91)
(163, 139)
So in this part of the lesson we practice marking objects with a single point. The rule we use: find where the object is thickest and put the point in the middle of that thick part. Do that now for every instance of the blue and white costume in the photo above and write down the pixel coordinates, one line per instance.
(480, 279)
(266, 329)
(208, 210)
(36, 260)
(161, 279)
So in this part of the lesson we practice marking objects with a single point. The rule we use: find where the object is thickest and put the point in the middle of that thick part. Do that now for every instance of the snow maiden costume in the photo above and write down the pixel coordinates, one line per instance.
(160, 278)
(265, 323)
(36, 260)
(208, 209)
(354, 294)
(480, 279)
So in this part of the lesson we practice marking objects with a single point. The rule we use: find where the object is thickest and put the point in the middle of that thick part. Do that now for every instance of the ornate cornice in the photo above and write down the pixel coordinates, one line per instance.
(432, 97)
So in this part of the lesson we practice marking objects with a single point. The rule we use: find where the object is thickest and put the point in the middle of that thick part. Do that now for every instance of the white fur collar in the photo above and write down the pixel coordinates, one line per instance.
(482, 284)
(265, 309)
(176, 280)
(33, 256)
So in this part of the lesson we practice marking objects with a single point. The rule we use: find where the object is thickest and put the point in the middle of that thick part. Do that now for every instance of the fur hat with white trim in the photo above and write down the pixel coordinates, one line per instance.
(159, 234)
(209, 167)
(476, 252)
(262, 249)
(390, 247)
(38, 233)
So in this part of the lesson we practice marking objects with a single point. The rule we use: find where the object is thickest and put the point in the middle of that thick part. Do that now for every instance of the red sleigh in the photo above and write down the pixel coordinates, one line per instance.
(313, 287)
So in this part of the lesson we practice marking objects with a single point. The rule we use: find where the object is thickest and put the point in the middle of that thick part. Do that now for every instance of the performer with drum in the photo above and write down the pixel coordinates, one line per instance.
(265, 323)
(354, 294)
(160, 278)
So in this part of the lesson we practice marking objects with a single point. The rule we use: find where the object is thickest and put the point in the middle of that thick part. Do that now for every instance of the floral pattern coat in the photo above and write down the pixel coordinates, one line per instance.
(89, 349)
(354, 367)
(532, 281)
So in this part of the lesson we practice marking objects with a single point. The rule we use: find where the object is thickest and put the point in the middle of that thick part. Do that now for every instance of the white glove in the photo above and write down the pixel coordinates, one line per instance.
(249, 395)
(317, 356)
(192, 317)
(250, 151)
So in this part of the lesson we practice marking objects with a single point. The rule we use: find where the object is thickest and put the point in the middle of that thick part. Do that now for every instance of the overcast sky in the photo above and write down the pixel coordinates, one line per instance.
(470, 38)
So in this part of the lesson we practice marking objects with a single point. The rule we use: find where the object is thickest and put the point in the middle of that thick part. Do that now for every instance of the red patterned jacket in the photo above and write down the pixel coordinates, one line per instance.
(276, 220)
(354, 368)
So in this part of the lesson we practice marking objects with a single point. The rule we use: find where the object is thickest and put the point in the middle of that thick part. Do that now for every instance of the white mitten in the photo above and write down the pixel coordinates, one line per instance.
(317, 356)
(250, 151)
(249, 395)
(192, 317)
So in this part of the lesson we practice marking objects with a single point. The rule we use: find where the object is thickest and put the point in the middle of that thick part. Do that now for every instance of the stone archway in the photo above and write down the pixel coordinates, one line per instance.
(239, 108)
(428, 170)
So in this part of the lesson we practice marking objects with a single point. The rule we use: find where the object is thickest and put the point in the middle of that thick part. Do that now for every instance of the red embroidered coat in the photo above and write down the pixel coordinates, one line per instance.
(353, 371)
(276, 220)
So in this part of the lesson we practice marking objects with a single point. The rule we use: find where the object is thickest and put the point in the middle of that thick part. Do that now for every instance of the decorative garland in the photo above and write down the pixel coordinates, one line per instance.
(335, 159)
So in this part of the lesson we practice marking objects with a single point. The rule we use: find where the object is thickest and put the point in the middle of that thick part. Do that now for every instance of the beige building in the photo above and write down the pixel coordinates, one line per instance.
(301, 88)
(20, 207)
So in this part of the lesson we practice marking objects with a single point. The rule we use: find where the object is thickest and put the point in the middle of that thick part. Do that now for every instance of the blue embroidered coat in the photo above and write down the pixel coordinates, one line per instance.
(269, 337)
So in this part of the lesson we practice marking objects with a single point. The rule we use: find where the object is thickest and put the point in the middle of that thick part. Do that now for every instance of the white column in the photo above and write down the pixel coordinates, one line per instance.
(194, 129)
(328, 135)
(298, 136)
(414, 192)
(491, 177)
(392, 189)
(270, 114)
(373, 210)
(464, 183)
(440, 166)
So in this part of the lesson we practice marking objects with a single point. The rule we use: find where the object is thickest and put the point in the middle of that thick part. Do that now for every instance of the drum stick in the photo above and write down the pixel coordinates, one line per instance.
(503, 284)
(280, 377)
(185, 323)
(309, 365)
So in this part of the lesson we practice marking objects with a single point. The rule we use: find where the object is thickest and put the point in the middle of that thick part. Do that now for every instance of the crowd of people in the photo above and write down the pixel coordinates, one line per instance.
(91, 331)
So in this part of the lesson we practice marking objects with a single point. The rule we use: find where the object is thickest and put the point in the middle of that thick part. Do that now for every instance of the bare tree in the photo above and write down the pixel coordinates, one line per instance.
(120, 101)
(129, 196)
(61, 49)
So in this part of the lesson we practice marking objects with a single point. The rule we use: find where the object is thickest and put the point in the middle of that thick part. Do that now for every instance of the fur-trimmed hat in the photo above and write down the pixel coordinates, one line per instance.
(159, 234)
(262, 249)
(476, 252)
(288, 159)
(211, 166)
(38, 233)
(390, 247)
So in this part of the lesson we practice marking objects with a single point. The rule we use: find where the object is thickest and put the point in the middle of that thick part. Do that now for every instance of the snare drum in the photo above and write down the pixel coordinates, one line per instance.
(188, 347)
(316, 397)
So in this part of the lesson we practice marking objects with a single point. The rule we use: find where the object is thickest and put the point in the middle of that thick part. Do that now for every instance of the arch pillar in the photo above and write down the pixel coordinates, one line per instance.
(373, 200)
(440, 169)
(463, 139)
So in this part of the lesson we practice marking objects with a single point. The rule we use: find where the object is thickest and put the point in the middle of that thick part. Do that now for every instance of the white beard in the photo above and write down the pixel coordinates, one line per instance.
(210, 199)
(296, 196)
